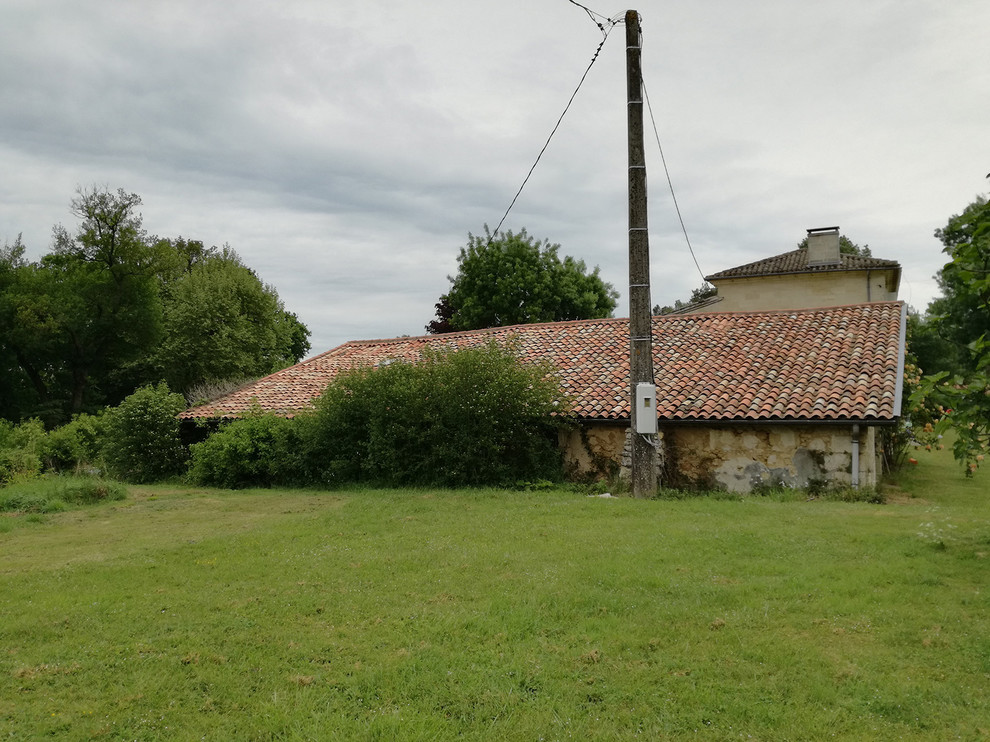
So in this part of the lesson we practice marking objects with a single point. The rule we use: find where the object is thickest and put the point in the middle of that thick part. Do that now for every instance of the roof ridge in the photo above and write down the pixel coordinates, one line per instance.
(467, 333)
(765, 312)
(781, 264)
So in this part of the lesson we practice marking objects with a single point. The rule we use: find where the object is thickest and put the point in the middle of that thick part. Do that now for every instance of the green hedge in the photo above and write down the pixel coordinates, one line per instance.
(257, 451)
(471, 417)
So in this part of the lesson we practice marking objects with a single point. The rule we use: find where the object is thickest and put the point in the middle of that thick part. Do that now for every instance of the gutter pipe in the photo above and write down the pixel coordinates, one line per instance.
(855, 457)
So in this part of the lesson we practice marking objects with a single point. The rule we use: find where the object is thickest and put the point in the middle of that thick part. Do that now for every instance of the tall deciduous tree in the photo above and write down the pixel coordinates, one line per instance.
(962, 313)
(513, 279)
(962, 316)
(221, 322)
(86, 309)
(14, 389)
(109, 309)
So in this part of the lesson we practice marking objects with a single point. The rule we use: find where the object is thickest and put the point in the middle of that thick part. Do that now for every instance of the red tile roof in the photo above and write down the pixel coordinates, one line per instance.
(796, 261)
(830, 364)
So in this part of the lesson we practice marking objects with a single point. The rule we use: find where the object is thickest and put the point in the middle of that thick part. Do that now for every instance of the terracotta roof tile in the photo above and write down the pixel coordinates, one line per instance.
(835, 363)
(796, 261)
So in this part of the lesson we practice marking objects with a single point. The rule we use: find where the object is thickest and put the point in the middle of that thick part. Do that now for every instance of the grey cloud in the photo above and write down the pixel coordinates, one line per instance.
(346, 151)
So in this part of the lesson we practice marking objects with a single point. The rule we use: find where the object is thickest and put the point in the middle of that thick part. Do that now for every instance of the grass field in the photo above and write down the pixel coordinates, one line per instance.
(185, 614)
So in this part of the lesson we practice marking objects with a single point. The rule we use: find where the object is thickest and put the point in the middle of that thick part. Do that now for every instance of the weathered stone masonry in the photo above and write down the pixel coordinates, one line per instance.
(736, 458)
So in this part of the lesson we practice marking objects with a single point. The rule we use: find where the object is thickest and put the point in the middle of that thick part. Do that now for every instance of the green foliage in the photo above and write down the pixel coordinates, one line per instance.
(932, 350)
(261, 450)
(960, 406)
(141, 440)
(110, 309)
(222, 322)
(14, 388)
(19, 501)
(470, 417)
(55, 494)
(961, 393)
(513, 279)
(26, 450)
(916, 414)
(85, 310)
(356, 417)
(73, 447)
(20, 449)
(962, 314)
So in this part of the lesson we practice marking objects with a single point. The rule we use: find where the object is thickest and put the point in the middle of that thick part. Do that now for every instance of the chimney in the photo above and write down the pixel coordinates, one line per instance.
(823, 246)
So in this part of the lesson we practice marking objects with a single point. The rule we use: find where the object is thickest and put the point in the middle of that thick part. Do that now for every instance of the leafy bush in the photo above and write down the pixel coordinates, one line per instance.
(19, 449)
(356, 414)
(141, 436)
(261, 450)
(74, 447)
(469, 417)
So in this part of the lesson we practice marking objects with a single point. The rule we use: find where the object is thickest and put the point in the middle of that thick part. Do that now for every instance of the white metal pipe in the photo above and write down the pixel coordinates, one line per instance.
(855, 457)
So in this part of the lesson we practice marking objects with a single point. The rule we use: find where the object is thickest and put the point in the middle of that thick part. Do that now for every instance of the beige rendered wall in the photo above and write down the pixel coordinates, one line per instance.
(734, 458)
(800, 290)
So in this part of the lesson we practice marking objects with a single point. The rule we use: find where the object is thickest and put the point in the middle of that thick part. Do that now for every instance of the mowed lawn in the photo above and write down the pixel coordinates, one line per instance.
(186, 614)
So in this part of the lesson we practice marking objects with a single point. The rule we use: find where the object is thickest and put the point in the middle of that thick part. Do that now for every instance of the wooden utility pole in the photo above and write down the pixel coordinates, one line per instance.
(644, 472)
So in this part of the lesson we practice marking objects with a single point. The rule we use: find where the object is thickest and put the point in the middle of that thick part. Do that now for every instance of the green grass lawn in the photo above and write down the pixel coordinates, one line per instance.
(185, 613)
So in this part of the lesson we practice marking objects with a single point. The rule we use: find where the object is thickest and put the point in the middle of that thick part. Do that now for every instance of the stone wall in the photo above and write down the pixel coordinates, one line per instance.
(593, 451)
(736, 458)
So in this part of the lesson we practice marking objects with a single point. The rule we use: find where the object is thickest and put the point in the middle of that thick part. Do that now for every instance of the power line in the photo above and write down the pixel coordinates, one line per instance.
(606, 28)
(670, 183)
(605, 32)
(594, 16)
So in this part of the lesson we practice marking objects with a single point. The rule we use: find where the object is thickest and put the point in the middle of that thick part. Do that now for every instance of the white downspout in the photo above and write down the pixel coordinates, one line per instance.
(855, 457)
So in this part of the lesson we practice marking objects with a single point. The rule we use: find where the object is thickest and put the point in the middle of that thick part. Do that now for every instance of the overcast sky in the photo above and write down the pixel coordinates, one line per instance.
(345, 150)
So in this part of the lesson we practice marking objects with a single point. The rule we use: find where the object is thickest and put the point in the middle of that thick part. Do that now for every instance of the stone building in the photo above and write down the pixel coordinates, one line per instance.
(744, 399)
(816, 276)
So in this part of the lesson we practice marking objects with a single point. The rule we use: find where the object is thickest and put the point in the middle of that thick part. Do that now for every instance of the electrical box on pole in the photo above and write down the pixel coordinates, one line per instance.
(646, 408)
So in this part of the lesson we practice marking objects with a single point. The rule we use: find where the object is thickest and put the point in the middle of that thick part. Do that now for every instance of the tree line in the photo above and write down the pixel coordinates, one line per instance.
(110, 309)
